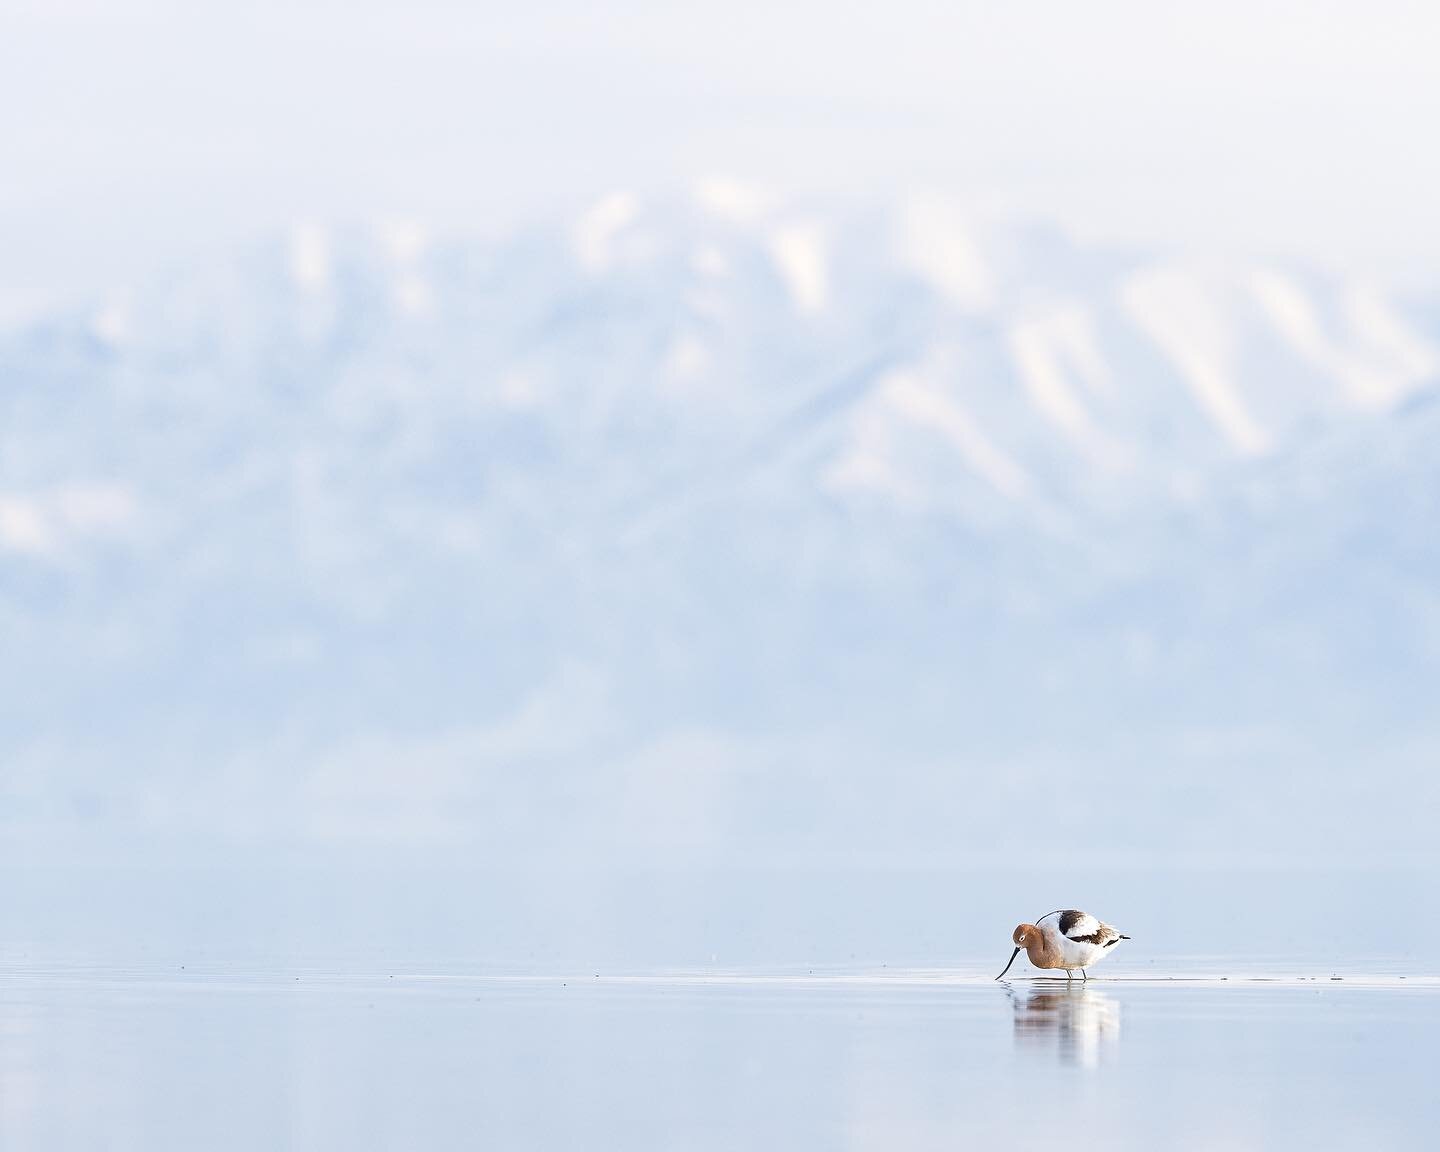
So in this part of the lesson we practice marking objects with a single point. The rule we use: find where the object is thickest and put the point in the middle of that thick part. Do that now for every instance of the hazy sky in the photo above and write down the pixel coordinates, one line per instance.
(134, 133)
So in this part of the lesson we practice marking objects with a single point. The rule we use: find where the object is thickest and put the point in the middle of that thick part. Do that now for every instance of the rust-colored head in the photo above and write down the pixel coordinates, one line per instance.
(1025, 936)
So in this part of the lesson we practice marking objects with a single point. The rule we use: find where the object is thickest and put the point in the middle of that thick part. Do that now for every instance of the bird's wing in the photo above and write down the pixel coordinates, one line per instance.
(1085, 929)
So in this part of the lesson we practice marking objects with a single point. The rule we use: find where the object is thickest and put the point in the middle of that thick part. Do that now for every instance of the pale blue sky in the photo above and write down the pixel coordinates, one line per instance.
(134, 133)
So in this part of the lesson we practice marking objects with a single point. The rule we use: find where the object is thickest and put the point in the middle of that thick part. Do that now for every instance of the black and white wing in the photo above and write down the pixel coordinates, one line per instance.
(1084, 928)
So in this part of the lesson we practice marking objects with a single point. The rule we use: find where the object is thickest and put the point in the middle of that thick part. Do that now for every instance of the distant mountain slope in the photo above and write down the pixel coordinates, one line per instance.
(698, 471)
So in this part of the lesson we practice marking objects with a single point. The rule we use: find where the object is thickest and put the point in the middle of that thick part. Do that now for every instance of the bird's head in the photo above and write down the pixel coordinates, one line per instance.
(1022, 936)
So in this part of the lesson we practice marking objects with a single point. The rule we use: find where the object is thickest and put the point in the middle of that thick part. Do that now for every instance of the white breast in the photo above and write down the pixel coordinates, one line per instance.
(1076, 953)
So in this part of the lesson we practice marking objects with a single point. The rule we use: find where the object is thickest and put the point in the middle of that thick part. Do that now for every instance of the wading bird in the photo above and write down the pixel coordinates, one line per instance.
(1065, 939)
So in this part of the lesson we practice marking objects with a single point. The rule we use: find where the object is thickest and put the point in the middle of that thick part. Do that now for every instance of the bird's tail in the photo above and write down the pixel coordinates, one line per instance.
(1124, 937)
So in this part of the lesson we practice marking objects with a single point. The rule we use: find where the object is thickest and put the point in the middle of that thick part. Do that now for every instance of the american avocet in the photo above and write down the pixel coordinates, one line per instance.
(1065, 939)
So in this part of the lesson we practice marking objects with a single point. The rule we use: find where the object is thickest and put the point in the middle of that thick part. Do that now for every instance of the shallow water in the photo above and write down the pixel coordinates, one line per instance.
(379, 1006)
(151, 1059)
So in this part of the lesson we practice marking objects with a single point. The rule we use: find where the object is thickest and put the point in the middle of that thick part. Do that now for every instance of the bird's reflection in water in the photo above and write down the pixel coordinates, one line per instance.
(1077, 1022)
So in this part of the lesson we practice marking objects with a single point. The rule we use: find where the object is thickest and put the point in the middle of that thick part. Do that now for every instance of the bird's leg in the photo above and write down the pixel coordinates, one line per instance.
(1085, 974)
(1069, 975)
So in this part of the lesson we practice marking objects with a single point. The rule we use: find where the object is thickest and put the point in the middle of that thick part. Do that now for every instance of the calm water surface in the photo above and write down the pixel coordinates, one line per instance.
(145, 1059)
(374, 1007)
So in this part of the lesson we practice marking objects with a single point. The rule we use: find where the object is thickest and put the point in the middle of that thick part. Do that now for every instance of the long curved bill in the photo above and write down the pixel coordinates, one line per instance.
(1012, 961)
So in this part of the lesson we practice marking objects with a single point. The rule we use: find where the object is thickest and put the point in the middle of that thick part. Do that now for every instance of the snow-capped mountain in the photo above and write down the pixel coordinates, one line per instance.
(706, 490)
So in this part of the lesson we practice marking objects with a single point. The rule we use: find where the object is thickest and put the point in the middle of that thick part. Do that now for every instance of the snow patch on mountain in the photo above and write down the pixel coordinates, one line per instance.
(1050, 352)
(934, 239)
(800, 255)
(597, 231)
(1184, 317)
(49, 524)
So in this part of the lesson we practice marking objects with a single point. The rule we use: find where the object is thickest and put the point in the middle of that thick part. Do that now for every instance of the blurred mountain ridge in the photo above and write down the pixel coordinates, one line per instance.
(695, 523)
